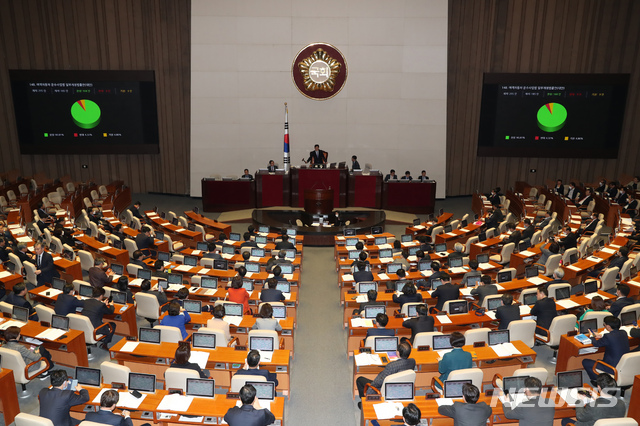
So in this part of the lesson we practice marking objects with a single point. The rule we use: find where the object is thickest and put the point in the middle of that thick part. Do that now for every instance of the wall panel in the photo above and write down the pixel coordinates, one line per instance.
(536, 36)
(103, 35)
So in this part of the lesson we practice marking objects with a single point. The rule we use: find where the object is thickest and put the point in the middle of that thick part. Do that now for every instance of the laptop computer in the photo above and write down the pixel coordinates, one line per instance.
(376, 230)
(284, 286)
(279, 311)
(202, 246)
(436, 283)
(144, 274)
(455, 262)
(413, 250)
(203, 340)
(60, 322)
(264, 390)
(385, 253)
(378, 241)
(447, 229)
(442, 342)
(392, 268)
(590, 287)
(164, 256)
(440, 248)
(364, 286)
(563, 293)
(142, 382)
(513, 384)
(85, 290)
(494, 303)
(247, 284)
(191, 260)
(291, 232)
(234, 309)
(209, 282)
(524, 245)
(253, 267)
(174, 278)
(220, 264)
(628, 318)
(573, 258)
(191, 226)
(228, 250)
(531, 271)
(530, 299)
(261, 239)
(286, 268)
(424, 265)
(402, 391)
(257, 252)
(347, 232)
(570, 379)
(412, 311)
(290, 254)
(354, 254)
(588, 324)
(504, 276)
(406, 238)
(474, 281)
(453, 388)
(119, 297)
(498, 337)
(117, 268)
(458, 307)
(482, 258)
(416, 222)
(234, 236)
(482, 237)
(261, 343)
(88, 376)
(385, 344)
(192, 306)
(350, 242)
(202, 388)
(58, 283)
(371, 311)
(159, 235)
(263, 229)
(149, 335)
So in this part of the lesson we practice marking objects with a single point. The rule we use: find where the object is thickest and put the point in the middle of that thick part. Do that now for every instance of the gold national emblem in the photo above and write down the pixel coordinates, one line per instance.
(319, 71)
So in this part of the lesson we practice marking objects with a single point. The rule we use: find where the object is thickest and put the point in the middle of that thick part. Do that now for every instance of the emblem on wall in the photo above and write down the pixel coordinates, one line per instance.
(319, 71)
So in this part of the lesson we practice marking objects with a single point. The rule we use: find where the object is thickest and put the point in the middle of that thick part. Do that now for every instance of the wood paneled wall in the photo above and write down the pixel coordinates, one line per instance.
(103, 35)
(536, 36)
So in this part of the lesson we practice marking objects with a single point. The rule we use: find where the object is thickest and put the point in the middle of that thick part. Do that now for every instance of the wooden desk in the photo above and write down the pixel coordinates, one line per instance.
(634, 401)
(225, 195)
(120, 201)
(177, 233)
(335, 179)
(411, 197)
(569, 357)
(210, 225)
(424, 226)
(9, 405)
(457, 236)
(222, 364)
(111, 254)
(365, 190)
(273, 189)
(70, 350)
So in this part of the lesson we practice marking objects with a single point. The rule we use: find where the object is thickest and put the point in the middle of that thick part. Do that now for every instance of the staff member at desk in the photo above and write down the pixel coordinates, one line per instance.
(55, 402)
(616, 344)
(317, 157)
(95, 309)
(354, 163)
(181, 360)
(507, 312)
(237, 294)
(250, 414)
(271, 168)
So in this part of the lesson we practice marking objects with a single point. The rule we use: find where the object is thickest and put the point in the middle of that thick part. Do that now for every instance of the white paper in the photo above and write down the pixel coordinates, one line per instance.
(136, 282)
(361, 322)
(466, 291)
(183, 268)
(51, 334)
(232, 319)
(594, 259)
(595, 293)
(196, 419)
(200, 358)
(388, 410)
(419, 227)
(174, 287)
(5, 274)
(444, 319)
(249, 274)
(443, 352)
(383, 276)
(367, 359)
(525, 310)
(204, 271)
(180, 230)
(385, 259)
(573, 268)
(457, 270)
(567, 303)
(254, 259)
(451, 234)
(23, 239)
(537, 280)
(347, 277)
(266, 356)
(361, 298)
(527, 253)
(485, 266)
(126, 399)
(195, 252)
(210, 291)
(608, 250)
(175, 402)
(226, 256)
(129, 346)
(384, 246)
(481, 244)
(427, 273)
(11, 323)
(499, 287)
(287, 296)
(444, 401)
(505, 349)
(491, 314)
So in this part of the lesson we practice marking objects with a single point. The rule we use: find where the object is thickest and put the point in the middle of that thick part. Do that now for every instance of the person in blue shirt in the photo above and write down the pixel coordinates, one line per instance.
(177, 317)
(457, 359)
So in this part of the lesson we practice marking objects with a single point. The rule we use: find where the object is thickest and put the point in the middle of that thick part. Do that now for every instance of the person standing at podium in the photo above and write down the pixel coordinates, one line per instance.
(317, 157)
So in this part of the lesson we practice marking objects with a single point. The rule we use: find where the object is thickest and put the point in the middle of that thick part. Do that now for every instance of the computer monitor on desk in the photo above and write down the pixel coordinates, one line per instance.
(378, 241)
(279, 311)
(570, 379)
(220, 264)
(261, 343)
(60, 322)
(402, 391)
(58, 283)
(174, 279)
(149, 335)
(351, 241)
(119, 297)
(204, 340)
(253, 267)
(529, 299)
(628, 318)
(226, 249)
(257, 252)
(392, 268)
(494, 303)
(590, 286)
(209, 282)
(88, 376)
(504, 276)
(286, 268)
(458, 307)
(144, 274)
(406, 238)
(385, 253)
(455, 262)
(385, 344)
(142, 382)
(203, 388)
(283, 286)
(482, 258)
(364, 286)
(371, 311)
(235, 309)
(354, 254)
(234, 236)
(191, 260)
(202, 246)
(261, 239)
(563, 293)
(163, 255)
(588, 324)
(453, 388)
(192, 306)
(264, 390)
(442, 342)
(498, 337)
(531, 271)
(86, 290)
(514, 384)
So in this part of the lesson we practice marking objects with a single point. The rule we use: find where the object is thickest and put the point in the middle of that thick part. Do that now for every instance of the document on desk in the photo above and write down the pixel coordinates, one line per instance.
(527, 253)
(427, 273)
(485, 266)
(385, 259)
(199, 358)
(466, 291)
(210, 291)
(481, 245)
(594, 259)
(288, 277)
(589, 350)
(388, 410)
(175, 402)
(174, 287)
(51, 334)
(11, 323)
(183, 268)
(444, 401)
(457, 270)
(499, 287)
(204, 271)
(129, 347)
(443, 352)
(195, 252)
(263, 403)
(126, 400)
(525, 310)
(537, 280)
(361, 322)
(287, 296)
(383, 276)
(347, 277)
(384, 246)
(53, 292)
(367, 359)
(505, 350)
(491, 314)
(266, 356)
(226, 256)
(567, 303)
(361, 298)
(444, 319)
(23, 239)
(136, 282)
(608, 250)
(574, 268)
(419, 227)
(232, 319)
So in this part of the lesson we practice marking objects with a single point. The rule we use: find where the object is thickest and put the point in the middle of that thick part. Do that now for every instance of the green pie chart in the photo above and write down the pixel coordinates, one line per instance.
(85, 113)
(552, 117)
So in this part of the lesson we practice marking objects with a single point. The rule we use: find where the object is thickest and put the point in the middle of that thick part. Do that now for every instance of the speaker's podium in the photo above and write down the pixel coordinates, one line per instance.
(321, 181)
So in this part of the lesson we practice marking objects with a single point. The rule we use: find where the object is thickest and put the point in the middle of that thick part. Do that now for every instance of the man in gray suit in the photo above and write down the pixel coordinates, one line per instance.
(606, 404)
(535, 411)
(469, 412)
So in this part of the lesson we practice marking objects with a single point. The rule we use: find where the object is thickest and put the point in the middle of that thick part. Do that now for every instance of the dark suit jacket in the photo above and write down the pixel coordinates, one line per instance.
(494, 220)
(421, 324)
(271, 169)
(136, 212)
(559, 189)
(108, 418)
(616, 344)
(67, 304)
(271, 295)
(536, 412)
(585, 202)
(545, 311)
(445, 292)
(392, 368)
(139, 263)
(528, 232)
(506, 314)
(271, 377)
(362, 276)
(95, 310)
(573, 193)
(284, 245)
(483, 291)
(403, 298)
(47, 268)
(19, 301)
(617, 306)
(464, 414)
(386, 332)
(494, 199)
(389, 177)
(248, 416)
(318, 158)
(600, 409)
(545, 222)
(144, 242)
(622, 199)
(248, 244)
(515, 237)
(97, 277)
(591, 226)
(570, 241)
(355, 165)
(56, 403)
(617, 262)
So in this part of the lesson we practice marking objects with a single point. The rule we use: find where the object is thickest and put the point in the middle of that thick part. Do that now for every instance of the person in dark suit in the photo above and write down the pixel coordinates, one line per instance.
(391, 176)
(66, 303)
(317, 157)
(407, 176)
(590, 224)
(473, 272)
(23, 253)
(544, 310)
(631, 208)
(621, 199)
(423, 176)
(55, 402)
(95, 309)
(42, 212)
(514, 235)
(623, 299)
(144, 240)
(401, 364)
(252, 367)
(615, 342)
(605, 405)
(354, 163)
(612, 192)
(602, 186)
(211, 254)
(135, 210)
(97, 275)
(436, 274)
(247, 241)
(270, 293)
(529, 229)
(17, 297)
(559, 188)
(250, 414)
(137, 259)
(246, 175)
(620, 259)
(447, 291)
(45, 269)
(423, 323)
(409, 295)
(544, 222)
(362, 274)
(145, 287)
(105, 415)
(372, 296)
(571, 239)
(494, 198)
(411, 414)
(583, 203)
(181, 360)
(470, 412)
(484, 289)
(507, 312)
(285, 244)
(494, 219)
(271, 168)
(537, 411)
(379, 327)
(573, 193)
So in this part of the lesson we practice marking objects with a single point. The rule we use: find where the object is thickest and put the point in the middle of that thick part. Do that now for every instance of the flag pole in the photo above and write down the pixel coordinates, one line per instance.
(286, 159)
